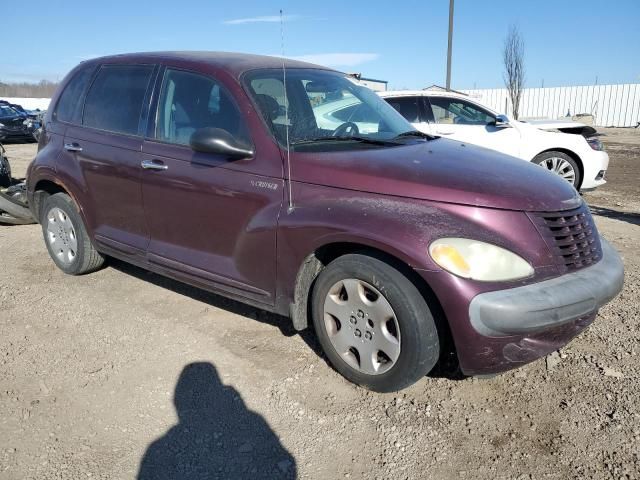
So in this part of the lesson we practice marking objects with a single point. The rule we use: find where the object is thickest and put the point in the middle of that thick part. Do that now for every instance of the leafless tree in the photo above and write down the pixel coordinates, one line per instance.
(42, 89)
(513, 58)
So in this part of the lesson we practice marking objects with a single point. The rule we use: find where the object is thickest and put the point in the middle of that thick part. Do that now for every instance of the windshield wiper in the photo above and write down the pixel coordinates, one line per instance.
(371, 141)
(415, 133)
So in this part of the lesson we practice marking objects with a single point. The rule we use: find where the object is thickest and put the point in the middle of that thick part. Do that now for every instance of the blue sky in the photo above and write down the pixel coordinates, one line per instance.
(567, 41)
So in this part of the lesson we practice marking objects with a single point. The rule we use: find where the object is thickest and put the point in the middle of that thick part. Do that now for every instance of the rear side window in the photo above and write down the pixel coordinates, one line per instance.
(115, 99)
(69, 107)
(408, 107)
(190, 101)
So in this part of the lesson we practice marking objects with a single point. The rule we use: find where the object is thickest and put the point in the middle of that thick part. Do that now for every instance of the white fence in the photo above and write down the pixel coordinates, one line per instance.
(610, 105)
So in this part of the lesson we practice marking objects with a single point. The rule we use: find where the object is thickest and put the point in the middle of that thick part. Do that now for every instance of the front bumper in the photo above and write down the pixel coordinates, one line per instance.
(8, 134)
(512, 327)
(593, 163)
(549, 304)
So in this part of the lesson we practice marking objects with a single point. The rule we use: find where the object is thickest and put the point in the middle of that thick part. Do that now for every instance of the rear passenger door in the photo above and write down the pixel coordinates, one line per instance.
(413, 109)
(212, 221)
(105, 150)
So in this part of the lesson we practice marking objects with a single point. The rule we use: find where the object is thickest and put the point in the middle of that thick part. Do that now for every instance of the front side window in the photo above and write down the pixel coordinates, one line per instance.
(459, 112)
(69, 108)
(114, 101)
(189, 102)
(324, 107)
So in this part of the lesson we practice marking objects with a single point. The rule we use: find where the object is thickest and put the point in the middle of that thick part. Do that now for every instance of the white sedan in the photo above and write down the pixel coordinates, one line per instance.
(566, 148)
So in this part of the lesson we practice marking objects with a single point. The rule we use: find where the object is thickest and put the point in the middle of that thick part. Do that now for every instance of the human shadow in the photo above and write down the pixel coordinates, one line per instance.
(216, 437)
(629, 217)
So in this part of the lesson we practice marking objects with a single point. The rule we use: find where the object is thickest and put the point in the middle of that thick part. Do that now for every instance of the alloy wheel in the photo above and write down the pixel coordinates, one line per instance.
(560, 167)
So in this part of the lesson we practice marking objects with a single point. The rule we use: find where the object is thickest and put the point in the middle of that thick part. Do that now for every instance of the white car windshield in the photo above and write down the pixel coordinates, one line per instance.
(324, 107)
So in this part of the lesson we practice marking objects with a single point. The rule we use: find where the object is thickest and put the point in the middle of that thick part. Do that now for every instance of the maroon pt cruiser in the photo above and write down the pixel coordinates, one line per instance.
(290, 187)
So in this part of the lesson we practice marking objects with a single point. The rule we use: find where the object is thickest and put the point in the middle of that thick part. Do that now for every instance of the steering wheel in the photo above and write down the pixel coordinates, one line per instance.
(347, 129)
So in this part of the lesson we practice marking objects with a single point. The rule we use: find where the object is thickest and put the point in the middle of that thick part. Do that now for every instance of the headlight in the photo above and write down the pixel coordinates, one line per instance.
(595, 143)
(478, 260)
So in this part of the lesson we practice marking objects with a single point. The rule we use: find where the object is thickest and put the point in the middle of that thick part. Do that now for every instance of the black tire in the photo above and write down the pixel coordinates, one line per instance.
(420, 346)
(544, 157)
(87, 258)
(5, 170)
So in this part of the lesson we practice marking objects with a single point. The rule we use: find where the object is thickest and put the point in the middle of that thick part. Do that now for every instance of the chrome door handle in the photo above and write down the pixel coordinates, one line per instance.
(444, 133)
(153, 165)
(72, 147)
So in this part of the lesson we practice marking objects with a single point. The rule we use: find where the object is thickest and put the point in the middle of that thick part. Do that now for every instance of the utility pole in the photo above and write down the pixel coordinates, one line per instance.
(449, 45)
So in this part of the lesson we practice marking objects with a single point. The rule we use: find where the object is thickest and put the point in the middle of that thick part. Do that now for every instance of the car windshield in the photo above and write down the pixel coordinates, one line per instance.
(325, 108)
(7, 111)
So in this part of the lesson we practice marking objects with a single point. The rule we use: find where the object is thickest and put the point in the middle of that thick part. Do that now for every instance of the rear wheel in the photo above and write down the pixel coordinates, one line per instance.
(66, 237)
(373, 324)
(561, 164)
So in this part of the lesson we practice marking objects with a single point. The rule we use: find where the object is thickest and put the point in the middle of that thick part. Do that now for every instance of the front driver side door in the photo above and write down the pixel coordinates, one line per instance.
(208, 220)
(467, 122)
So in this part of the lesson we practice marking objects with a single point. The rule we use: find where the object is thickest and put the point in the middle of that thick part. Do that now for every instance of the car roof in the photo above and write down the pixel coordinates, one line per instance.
(234, 63)
(422, 93)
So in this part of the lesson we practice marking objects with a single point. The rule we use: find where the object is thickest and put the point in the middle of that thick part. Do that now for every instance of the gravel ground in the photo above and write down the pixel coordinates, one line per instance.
(123, 373)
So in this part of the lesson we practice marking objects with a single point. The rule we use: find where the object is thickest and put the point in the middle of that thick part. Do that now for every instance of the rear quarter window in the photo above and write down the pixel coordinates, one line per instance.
(69, 108)
(114, 101)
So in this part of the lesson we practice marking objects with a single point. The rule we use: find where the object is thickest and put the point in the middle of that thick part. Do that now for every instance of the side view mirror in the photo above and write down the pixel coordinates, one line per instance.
(502, 121)
(219, 142)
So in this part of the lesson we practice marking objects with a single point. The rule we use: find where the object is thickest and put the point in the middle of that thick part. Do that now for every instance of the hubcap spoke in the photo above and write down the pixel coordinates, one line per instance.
(380, 310)
(355, 294)
(337, 307)
(342, 341)
(73, 240)
(56, 243)
(368, 361)
(388, 344)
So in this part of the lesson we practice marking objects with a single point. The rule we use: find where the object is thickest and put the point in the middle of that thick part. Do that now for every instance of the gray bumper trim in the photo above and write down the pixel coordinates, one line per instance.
(550, 303)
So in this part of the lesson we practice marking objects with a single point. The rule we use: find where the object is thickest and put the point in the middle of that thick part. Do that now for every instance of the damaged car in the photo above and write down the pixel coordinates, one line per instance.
(569, 149)
(401, 250)
(16, 126)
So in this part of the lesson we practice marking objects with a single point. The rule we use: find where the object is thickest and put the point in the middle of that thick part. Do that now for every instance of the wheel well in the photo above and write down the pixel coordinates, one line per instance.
(572, 155)
(44, 189)
(311, 267)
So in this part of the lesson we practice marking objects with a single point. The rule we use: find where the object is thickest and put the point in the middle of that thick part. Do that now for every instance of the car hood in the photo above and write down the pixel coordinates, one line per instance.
(12, 120)
(565, 126)
(547, 124)
(439, 170)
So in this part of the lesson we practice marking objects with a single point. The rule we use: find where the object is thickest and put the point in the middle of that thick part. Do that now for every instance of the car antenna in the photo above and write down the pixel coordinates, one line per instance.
(286, 113)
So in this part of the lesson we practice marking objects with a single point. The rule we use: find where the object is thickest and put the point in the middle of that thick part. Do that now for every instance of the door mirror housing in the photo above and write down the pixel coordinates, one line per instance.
(502, 121)
(219, 142)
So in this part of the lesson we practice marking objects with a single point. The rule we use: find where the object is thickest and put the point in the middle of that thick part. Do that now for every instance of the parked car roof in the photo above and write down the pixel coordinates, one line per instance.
(234, 63)
(423, 93)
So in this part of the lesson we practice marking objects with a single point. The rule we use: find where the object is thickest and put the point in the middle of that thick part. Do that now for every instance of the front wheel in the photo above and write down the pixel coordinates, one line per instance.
(66, 237)
(561, 164)
(373, 324)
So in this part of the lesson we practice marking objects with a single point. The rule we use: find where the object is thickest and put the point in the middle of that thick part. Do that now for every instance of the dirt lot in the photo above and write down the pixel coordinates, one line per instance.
(124, 373)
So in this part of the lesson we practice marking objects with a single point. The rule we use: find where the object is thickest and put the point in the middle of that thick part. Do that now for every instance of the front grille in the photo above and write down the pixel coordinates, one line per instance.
(572, 237)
